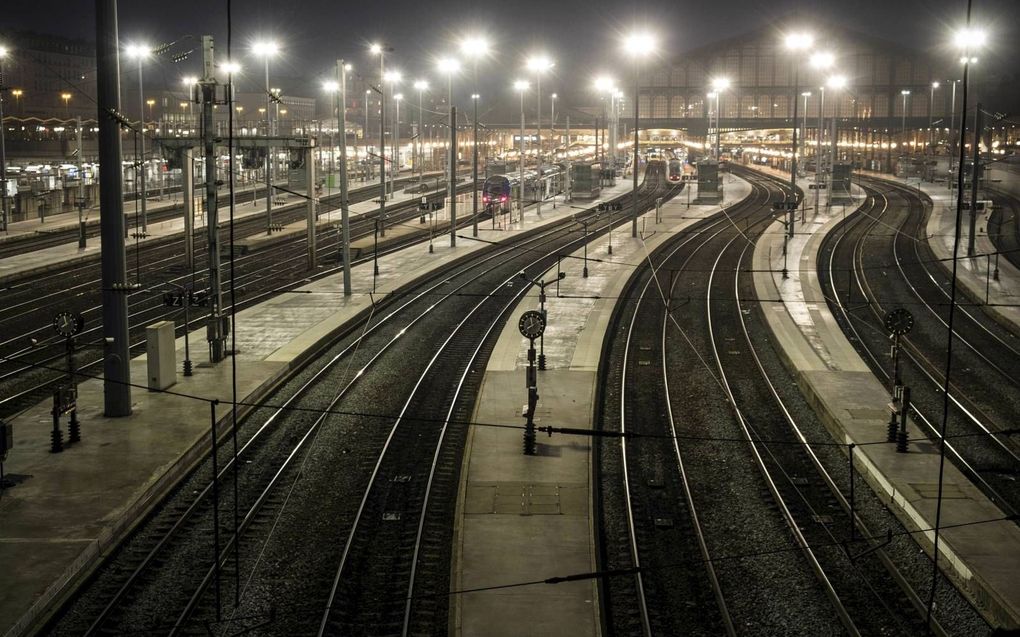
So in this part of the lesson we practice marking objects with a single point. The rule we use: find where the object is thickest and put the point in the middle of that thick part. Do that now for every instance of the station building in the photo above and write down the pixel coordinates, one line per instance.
(764, 77)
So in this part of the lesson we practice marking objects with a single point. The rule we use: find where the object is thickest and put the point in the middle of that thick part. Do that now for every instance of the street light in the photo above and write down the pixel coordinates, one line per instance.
(903, 118)
(539, 64)
(719, 85)
(419, 153)
(381, 50)
(393, 78)
(521, 86)
(474, 48)
(267, 49)
(638, 46)
(820, 61)
(150, 103)
(448, 66)
(836, 83)
(3, 147)
(139, 52)
(931, 110)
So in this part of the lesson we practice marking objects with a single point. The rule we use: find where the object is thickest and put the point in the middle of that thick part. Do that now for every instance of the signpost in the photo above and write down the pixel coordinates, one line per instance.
(531, 326)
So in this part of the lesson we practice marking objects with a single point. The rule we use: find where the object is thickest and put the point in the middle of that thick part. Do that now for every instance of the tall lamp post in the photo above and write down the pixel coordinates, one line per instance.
(364, 132)
(795, 43)
(604, 84)
(539, 64)
(521, 86)
(803, 127)
(421, 86)
(719, 85)
(448, 66)
(552, 120)
(3, 147)
(392, 79)
(139, 52)
(930, 150)
(381, 50)
(475, 48)
(820, 62)
(267, 49)
(638, 46)
(836, 83)
(903, 118)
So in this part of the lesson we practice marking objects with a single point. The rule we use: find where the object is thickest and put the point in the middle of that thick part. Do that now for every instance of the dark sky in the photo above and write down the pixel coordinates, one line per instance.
(582, 37)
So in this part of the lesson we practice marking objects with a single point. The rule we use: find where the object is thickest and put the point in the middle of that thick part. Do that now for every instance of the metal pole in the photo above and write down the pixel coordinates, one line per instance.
(567, 142)
(952, 132)
(345, 219)
(382, 147)
(420, 156)
(818, 149)
(634, 197)
(520, 167)
(188, 191)
(3, 156)
(395, 145)
(803, 128)
(903, 122)
(539, 187)
(453, 171)
(269, 159)
(364, 134)
(930, 148)
(309, 157)
(215, 334)
(81, 185)
(474, 170)
(975, 179)
(141, 140)
(116, 352)
(793, 159)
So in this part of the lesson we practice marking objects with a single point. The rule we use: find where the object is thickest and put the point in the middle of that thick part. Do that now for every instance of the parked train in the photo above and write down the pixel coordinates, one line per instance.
(501, 191)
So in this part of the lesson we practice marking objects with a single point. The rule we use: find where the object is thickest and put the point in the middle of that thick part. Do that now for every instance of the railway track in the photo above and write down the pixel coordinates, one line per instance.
(877, 260)
(697, 466)
(36, 354)
(304, 475)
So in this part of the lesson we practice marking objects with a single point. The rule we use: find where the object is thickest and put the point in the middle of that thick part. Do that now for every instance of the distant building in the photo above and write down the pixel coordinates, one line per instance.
(761, 73)
(41, 70)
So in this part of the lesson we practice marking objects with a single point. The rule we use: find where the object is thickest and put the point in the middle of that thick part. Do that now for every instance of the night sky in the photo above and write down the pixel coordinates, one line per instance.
(582, 37)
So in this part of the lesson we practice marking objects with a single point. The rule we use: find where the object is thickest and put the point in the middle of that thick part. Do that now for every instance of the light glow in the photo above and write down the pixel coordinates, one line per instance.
(799, 41)
(639, 44)
(265, 48)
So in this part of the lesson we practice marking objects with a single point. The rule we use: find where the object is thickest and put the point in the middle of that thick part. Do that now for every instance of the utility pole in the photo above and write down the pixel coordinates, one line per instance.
(540, 186)
(451, 185)
(818, 149)
(188, 190)
(952, 133)
(116, 348)
(141, 141)
(81, 188)
(382, 155)
(216, 332)
(634, 196)
(975, 178)
(3, 153)
(793, 157)
(345, 218)
(474, 169)
(269, 155)
(567, 189)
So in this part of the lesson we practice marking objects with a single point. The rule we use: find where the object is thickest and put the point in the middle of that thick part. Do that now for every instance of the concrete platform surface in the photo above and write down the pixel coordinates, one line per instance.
(982, 559)
(70, 509)
(524, 518)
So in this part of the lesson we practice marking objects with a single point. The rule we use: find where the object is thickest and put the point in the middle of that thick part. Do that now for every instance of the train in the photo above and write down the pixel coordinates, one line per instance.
(500, 191)
(676, 170)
